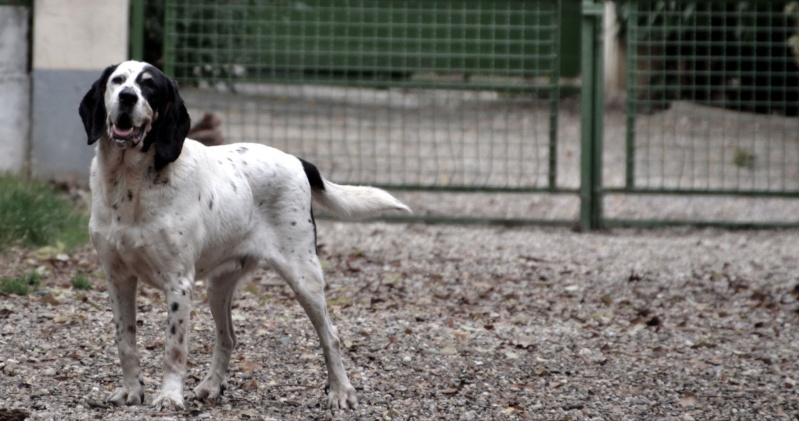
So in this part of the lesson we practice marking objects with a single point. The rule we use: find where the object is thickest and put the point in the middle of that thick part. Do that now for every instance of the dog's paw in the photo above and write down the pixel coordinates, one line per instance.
(209, 390)
(168, 400)
(127, 396)
(342, 397)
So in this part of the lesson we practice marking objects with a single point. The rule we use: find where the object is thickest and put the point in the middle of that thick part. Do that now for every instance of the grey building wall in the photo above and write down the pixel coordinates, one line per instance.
(14, 89)
(59, 148)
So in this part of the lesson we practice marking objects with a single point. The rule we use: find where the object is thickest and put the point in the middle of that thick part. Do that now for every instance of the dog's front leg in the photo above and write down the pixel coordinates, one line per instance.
(220, 296)
(178, 301)
(122, 292)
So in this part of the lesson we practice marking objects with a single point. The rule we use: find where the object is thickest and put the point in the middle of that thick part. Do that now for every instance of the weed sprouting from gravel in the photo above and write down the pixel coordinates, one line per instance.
(22, 285)
(80, 282)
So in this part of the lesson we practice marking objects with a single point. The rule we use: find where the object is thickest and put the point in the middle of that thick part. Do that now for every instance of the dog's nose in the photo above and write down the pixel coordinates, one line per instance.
(128, 96)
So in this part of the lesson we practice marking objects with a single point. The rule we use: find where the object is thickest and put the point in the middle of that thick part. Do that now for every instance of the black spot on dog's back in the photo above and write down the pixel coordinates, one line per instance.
(314, 177)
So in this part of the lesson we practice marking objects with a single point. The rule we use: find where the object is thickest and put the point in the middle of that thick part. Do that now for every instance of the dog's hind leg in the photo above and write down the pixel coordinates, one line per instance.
(220, 297)
(304, 275)
(122, 292)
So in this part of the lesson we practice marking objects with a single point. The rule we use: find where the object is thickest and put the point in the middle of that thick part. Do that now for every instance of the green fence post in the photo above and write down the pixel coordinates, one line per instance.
(554, 104)
(591, 105)
(169, 26)
(137, 30)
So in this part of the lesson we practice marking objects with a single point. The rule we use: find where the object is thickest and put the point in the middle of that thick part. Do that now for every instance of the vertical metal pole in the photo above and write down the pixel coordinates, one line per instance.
(591, 107)
(630, 101)
(169, 26)
(554, 96)
(137, 30)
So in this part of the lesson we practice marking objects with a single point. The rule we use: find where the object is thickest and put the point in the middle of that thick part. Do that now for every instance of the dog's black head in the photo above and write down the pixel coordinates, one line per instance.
(135, 105)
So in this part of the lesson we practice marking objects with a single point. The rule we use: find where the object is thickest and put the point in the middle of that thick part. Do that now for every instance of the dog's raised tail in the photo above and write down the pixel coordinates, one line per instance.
(350, 202)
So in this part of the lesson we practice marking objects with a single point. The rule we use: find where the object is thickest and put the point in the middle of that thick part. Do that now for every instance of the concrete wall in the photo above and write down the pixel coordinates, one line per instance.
(73, 41)
(14, 89)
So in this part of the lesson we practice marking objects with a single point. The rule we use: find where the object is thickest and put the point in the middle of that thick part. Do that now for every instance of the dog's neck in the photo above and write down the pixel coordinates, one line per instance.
(123, 172)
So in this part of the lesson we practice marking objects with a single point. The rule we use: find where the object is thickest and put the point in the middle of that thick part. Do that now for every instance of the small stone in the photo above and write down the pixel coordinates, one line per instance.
(468, 416)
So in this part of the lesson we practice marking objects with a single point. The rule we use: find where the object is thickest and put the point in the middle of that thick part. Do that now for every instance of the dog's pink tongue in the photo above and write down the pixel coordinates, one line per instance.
(122, 133)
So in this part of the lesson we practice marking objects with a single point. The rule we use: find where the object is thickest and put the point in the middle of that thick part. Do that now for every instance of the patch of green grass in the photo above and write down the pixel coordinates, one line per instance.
(33, 214)
(22, 285)
(80, 282)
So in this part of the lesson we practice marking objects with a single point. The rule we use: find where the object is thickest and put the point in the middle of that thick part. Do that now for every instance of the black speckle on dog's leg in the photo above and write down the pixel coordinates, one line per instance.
(232, 184)
(312, 221)
(119, 218)
(183, 292)
(175, 306)
(172, 329)
(293, 223)
(130, 195)
(180, 321)
(115, 206)
(132, 329)
(211, 204)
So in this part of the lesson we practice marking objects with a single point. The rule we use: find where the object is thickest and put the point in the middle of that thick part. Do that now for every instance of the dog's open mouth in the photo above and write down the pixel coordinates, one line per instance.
(124, 135)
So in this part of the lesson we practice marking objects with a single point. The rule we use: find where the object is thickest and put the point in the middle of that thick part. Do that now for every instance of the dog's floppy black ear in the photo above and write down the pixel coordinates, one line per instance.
(92, 107)
(172, 127)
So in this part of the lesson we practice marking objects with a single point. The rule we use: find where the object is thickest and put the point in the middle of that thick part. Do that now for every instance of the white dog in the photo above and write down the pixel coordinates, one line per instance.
(167, 210)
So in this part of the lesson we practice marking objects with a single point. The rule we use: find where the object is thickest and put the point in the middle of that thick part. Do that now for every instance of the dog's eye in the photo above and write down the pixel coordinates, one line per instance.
(118, 80)
(147, 83)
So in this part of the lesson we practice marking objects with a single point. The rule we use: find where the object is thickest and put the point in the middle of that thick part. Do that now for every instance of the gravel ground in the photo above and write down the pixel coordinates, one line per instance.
(446, 322)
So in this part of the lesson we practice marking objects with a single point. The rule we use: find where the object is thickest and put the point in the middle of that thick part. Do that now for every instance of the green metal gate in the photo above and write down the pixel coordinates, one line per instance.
(712, 101)
(469, 104)
(444, 96)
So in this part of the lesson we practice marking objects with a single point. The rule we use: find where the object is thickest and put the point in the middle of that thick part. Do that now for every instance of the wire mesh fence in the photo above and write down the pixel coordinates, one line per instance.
(713, 95)
(465, 98)
(456, 95)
